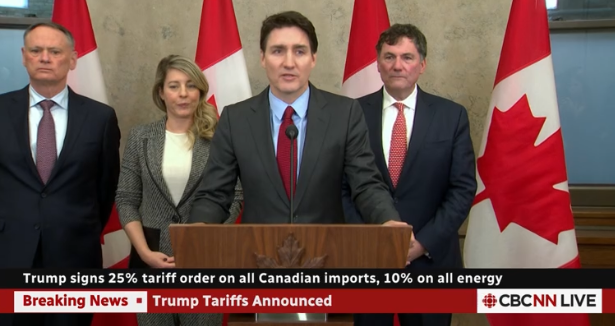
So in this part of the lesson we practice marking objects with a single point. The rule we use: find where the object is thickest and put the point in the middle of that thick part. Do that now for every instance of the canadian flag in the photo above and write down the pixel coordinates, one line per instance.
(521, 216)
(361, 77)
(219, 54)
(87, 80)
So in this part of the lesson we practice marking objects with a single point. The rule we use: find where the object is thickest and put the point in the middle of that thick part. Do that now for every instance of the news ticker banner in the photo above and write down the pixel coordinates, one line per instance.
(307, 279)
(308, 291)
(309, 301)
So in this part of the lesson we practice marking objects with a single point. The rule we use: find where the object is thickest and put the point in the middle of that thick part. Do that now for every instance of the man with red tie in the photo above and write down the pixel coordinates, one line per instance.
(59, 168)
(423, 149)
(252, 143)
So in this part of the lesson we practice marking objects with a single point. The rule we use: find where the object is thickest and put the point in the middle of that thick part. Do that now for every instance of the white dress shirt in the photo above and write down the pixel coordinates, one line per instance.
(389, 115)
(59, 112)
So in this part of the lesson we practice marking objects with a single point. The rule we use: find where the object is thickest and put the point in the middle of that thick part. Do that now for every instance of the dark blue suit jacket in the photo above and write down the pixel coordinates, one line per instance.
(438, 181)
(68, 214)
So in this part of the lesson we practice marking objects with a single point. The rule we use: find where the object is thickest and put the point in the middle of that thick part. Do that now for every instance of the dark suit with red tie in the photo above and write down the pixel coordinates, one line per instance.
(54, 219)
(335, 142)
(436, 184)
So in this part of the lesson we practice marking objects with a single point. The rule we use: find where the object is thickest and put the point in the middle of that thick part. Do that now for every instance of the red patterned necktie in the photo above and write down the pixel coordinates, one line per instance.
(46, 152)
(283, 156)
(399, 145)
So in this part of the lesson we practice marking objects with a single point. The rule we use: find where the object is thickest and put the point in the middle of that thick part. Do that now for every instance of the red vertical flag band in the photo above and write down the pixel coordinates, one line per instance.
(369, 19)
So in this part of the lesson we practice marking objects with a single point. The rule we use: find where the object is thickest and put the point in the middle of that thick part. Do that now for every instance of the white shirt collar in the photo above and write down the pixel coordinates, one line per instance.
(409, 102)
(61, 99)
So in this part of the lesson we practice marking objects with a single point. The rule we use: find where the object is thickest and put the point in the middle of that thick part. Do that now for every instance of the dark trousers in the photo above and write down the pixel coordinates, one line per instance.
(404, 319)
(82, 319)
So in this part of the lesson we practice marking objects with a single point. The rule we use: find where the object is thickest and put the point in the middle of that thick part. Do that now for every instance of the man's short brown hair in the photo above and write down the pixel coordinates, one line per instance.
(396, 32)
(288, 19)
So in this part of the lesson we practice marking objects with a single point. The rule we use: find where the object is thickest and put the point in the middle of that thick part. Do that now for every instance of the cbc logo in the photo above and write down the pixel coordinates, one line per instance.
(490, 300)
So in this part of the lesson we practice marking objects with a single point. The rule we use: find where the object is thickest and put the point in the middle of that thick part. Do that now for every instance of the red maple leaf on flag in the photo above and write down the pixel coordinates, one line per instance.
(519, 176)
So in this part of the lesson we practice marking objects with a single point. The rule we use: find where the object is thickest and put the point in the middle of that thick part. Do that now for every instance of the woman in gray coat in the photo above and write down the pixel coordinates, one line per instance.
(161, 169)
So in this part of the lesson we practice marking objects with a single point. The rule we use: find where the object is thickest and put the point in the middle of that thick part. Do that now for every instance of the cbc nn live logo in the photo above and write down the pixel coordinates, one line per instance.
(539, 301)
(490, 300)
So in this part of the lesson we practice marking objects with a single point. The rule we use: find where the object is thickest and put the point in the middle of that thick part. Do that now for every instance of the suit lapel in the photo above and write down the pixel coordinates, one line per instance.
(77, 114)
(153, 155)
(422, 121)
(373, 117)
(200, 155)
(260, 125)
(19, 121)
(317, 123)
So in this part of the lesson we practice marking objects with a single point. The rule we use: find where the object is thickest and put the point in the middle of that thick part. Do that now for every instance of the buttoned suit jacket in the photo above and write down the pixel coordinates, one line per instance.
(68, 214)
(437, 184)
(336, 143)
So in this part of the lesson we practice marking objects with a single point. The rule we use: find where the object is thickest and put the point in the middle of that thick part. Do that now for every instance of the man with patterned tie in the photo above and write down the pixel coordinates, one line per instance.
(251, 143)
(423, 149)
(59, 167)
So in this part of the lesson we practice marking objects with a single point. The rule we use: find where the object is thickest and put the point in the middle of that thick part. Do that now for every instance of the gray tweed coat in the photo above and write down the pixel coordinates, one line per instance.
(142, 194)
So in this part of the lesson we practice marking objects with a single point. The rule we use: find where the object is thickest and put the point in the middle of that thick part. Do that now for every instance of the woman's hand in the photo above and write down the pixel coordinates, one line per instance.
(156, 259)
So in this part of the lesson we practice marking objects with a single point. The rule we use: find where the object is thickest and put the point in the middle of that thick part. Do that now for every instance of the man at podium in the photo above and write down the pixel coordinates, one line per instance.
(324, 136)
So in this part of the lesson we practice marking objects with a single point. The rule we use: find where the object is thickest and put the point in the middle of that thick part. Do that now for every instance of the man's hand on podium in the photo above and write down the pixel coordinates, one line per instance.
(416, 250)
(394, 223)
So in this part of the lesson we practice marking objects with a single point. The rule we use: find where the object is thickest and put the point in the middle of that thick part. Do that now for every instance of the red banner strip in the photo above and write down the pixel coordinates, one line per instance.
(294, 301)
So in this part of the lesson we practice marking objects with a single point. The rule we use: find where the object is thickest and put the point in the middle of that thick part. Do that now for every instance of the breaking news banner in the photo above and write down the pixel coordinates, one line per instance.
(307, 291)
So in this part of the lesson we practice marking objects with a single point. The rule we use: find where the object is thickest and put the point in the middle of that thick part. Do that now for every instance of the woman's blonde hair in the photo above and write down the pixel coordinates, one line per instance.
(205, 116)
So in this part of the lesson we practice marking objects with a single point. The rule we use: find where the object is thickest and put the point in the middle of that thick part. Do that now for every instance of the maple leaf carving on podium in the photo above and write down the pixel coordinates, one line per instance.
(290, 256)
(519, 176)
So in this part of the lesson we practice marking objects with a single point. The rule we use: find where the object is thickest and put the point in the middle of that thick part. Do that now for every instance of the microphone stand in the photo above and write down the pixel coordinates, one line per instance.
(291, 133)
(292, 184)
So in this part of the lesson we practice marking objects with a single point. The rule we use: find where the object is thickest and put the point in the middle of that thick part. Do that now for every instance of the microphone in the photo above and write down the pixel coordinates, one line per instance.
(291, 133)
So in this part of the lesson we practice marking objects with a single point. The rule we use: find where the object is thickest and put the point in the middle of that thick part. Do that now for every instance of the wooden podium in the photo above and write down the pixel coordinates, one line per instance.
(289, 246)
